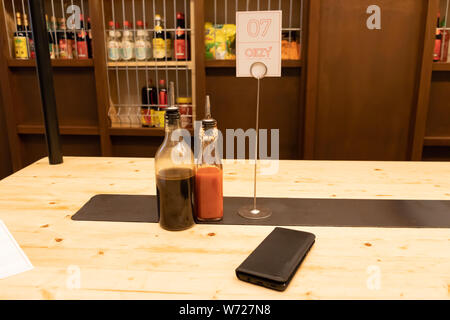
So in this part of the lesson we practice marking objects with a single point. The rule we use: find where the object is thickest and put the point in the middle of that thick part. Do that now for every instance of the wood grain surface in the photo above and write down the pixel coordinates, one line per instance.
(140, 260)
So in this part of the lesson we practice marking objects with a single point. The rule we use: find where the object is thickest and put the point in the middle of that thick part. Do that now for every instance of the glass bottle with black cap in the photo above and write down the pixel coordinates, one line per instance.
(209, 174)
(174, 169)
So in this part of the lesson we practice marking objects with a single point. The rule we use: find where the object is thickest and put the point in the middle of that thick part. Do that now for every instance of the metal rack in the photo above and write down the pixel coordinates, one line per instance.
(69, 10)
(125, 79)
(222, 12)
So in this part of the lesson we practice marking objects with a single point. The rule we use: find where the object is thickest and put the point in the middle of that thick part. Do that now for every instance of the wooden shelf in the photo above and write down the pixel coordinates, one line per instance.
(232, 63)
(140, 132)
(291, 63)
(437, 141)
(441, 66)
(146, 132)
(220, 63)
(64, 130)
(142, 64)
(77, 63)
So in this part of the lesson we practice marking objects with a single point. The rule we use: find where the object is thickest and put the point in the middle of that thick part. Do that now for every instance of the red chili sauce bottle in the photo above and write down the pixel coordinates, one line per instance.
(209, 173)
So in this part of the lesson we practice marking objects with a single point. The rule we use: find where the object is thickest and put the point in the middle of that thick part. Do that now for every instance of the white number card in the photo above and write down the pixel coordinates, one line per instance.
(258, 39)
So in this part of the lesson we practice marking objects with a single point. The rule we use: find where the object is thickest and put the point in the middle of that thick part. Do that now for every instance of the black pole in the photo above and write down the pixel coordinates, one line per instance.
(45, 76)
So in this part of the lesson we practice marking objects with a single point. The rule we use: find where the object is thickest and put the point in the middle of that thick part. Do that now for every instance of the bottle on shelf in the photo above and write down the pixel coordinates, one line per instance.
(20, 40)
(71, 40)
(31, 49)
(51, 39)
(64, 41)
(135, 117)
(124, 116)
(158, 115)
(162, 49)
(185, 107)
(209, 173)
(174, 170)
(54, 31)
(149, 102)
(89, 37)
(437, 42)
(127, 43)
(290, 47)
(169, 50)
(113, 43)
(181, 44)
(113, 115)
(445, 52)
(118, 34)
(148, 40)
(82, 41)
(171, 97)
(142, 44)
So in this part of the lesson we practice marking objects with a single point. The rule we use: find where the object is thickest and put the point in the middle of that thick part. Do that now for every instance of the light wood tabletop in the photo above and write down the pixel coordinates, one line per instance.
(112, 260)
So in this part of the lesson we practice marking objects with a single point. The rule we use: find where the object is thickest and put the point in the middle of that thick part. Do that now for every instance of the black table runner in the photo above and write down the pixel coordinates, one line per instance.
(286, 211)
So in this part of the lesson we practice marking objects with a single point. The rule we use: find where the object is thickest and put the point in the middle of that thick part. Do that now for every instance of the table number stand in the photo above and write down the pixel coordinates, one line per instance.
(258, 70)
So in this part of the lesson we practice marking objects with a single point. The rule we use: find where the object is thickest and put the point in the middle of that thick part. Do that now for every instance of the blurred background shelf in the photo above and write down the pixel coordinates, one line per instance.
(325, 105)
(437, 141)
(64, 129)
(232, 63)
(441, 66)
(150, 132)
(143, 64)
(80, 63)
(139, 132)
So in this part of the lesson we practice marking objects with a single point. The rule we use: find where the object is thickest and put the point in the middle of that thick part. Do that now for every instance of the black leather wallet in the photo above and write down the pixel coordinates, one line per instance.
(274, 262)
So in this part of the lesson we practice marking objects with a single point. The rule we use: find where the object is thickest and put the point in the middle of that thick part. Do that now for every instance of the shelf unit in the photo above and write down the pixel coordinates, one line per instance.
(147, 132)
(65, 130)
(125, 79)
(441, 66)
(83, 116)
(152, 64)
(74, 81)
(30, 63)
(436, 142)
(293, 103)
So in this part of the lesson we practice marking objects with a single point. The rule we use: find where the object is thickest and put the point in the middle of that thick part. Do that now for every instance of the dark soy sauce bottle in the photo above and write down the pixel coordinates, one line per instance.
(175, 176)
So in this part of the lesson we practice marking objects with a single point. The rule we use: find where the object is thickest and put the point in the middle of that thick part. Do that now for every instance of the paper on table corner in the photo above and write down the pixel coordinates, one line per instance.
(12, 258)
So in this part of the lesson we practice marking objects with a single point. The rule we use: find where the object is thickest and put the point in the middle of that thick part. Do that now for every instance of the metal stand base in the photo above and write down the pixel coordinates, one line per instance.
(250, 212)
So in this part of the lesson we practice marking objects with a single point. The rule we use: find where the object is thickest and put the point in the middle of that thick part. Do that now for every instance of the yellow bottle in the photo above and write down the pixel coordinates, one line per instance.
(20, 40)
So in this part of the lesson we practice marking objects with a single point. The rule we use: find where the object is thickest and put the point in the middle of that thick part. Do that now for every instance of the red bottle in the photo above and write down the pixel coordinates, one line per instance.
(181, 46)
(437, 43)
(82, 41)
(209, 173)
(163, 94)
(89, 38)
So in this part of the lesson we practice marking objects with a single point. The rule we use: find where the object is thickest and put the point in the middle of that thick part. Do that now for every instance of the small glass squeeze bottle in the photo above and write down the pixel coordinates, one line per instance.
(209, 173)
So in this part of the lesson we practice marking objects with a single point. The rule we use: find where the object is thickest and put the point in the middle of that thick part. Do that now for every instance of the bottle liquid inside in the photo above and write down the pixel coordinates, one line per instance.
(209, 193)
(175, 193)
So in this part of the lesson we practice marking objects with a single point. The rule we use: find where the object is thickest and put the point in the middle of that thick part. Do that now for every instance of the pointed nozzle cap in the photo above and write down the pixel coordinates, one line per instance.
(208, 122)
(207, 108)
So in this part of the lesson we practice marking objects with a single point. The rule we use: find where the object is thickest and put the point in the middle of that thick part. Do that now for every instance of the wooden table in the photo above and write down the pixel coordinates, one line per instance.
(140, 260)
